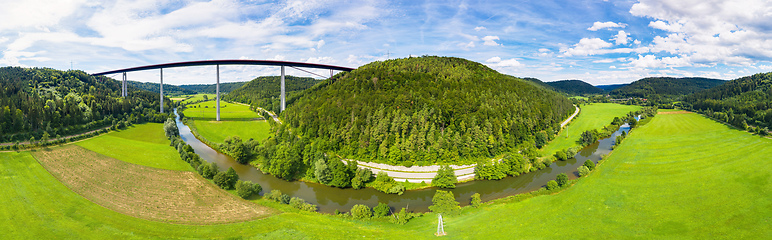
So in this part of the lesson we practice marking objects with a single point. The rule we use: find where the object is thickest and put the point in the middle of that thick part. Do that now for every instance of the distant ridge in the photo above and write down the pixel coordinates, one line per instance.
(610, 87)
(575, 87)
(669, 86)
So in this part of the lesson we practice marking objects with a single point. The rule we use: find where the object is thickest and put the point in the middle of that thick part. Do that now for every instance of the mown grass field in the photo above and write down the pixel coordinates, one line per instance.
(155, 194)
(228, 111)
(215, 131)
(592, 116)
(681, 176)
(197, 97)
(142, 144)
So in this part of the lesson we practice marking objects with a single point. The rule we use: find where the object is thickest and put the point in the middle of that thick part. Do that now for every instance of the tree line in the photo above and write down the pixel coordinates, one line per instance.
(744, 102)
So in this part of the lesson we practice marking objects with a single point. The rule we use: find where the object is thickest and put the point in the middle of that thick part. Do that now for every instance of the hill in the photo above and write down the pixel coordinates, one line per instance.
(212, 88)
(575, 87)
(609, 88)
(746, 100)
(537, 82)
(265, 91)
(170, 90)
(665, 86)
(422, 111)
(35, 102)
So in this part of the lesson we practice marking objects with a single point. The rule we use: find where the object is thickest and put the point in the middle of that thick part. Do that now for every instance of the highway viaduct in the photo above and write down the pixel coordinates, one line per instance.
(282, 64)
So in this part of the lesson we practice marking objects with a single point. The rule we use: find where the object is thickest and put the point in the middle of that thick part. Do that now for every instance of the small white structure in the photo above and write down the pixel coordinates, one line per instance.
(440, 227)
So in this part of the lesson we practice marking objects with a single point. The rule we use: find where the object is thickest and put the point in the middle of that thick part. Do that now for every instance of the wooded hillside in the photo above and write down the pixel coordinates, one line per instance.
(41, 101)
(264, 91)
(665, 86)
(423, 111)
(575, 87)
(746, 100)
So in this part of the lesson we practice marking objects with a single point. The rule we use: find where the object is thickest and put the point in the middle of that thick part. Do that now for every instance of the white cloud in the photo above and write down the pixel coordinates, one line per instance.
(621, 38)
(490, 40)
(711, 32)
(586, 46)
(467, 46)
(479, 28)
(651, 61)
(603, 25)
(497, 62)
(612, 67)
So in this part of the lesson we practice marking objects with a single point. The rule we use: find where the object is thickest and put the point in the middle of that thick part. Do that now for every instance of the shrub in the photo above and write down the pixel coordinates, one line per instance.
(275, 195)
(583, 171)
(562, 179)
(402, 217)
(221, 180)
(589, 164)
(476, 201)
(245, 189)
(552, 185)
(232, 178)
(363, 175)
(381, 210)
(301, 204)
(561, 155)
(360, 211)
(285, 199)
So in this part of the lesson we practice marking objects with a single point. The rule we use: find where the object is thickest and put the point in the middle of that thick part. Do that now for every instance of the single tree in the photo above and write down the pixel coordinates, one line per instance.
(589, 164)
(244, 189)
(170, 128)
(444, 202)
(321, 171)
(552, 184)
(232, 176)
(562, 179)
(445, 177)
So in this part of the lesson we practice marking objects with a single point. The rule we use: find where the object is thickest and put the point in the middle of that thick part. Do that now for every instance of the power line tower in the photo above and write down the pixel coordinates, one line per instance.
(440, 227)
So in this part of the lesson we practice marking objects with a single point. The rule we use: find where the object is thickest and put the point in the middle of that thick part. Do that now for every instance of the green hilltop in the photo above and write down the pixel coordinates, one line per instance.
(425, 110)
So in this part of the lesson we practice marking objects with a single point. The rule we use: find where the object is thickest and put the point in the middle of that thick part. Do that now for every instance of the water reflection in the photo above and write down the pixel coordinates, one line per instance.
(329, 198)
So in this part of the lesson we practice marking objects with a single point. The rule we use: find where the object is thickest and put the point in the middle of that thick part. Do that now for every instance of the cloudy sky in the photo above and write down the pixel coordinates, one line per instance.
(601, 42)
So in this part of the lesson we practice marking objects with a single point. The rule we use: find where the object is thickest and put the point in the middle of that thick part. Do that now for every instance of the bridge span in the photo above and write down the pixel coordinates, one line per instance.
(282, 64)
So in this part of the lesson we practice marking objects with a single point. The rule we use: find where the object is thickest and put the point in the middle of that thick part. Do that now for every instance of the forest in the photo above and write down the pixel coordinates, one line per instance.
(412, 111)
(37, 102)
(575, 87)
(169, 90)
(740, 102)
(666, 87)
(212, 88)
(264, 91)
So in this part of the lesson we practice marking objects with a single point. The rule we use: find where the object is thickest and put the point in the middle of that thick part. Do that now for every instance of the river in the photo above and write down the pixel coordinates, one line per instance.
(328, 199)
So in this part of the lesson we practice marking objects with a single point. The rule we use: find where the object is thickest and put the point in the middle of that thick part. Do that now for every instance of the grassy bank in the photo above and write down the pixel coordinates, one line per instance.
(217, 132)
(142, 144)
(228, 111)
(593, 116)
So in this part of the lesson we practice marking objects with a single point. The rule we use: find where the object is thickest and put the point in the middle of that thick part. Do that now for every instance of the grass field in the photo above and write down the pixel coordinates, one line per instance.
(593, 116)
(681, 176)
(228, 111)
(215, 131)
(197, 97)
(145, 192)
(143, 144)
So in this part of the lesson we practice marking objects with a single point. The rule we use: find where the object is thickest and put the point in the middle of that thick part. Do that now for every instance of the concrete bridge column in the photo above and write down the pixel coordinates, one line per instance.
(282, 90)
(124, 89)
(162, 90)
(218, 92)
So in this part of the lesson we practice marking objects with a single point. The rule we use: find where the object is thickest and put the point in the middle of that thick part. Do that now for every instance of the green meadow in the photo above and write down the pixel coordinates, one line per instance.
(215, 131)
(228, 111)
(681, 176)
(197, 97)
(142, 144)
(592, 116)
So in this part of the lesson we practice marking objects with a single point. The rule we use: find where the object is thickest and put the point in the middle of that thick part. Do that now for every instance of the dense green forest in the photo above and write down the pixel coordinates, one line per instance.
(537, 82)
(611, 87)
(264, 91)
(37, 102)
(412, 111)
(575, 87)
(665, 87)
(169, 90)
(212, 88)
(740, 102)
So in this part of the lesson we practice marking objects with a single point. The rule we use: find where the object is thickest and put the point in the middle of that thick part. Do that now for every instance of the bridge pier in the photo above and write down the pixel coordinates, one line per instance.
(217, 91)
(282, 90)
(124, 88)
(162, 90)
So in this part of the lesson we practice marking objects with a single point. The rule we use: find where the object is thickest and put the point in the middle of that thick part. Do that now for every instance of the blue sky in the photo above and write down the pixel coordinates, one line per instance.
(600, 42)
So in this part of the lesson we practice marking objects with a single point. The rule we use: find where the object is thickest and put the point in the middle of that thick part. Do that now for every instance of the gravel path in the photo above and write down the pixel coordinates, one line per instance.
(569, 118)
